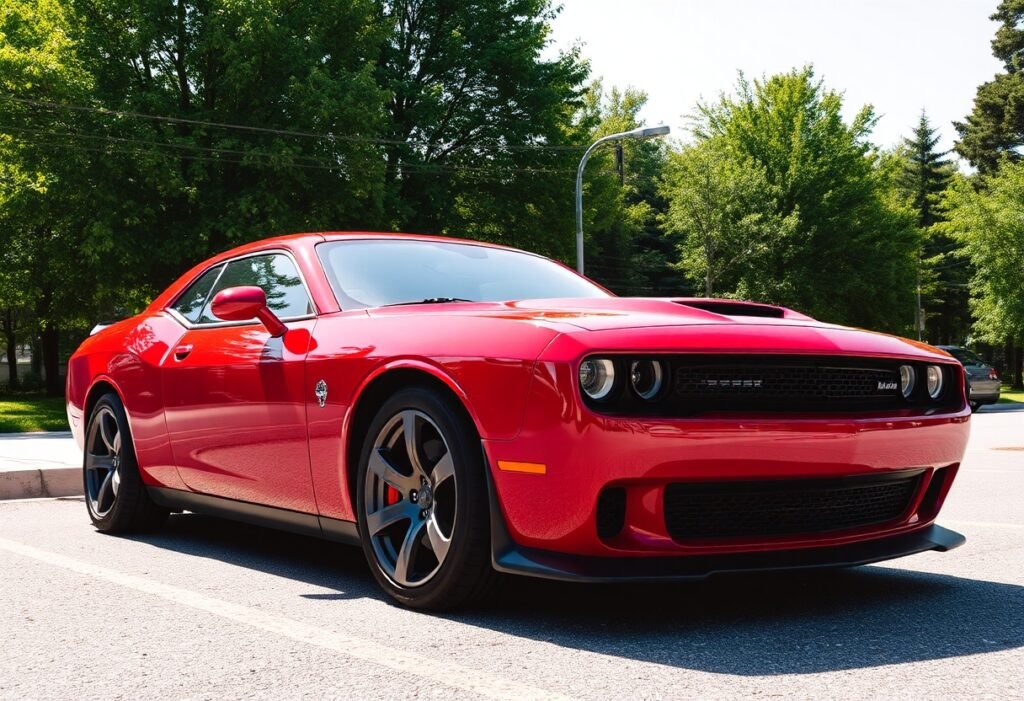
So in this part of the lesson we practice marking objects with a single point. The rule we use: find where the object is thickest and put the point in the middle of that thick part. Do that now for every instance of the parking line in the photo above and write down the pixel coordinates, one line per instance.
(442, 671)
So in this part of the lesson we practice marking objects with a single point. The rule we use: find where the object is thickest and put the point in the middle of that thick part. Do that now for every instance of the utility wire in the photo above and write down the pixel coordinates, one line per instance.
(306, 161)
(477, 173)
(269, 130)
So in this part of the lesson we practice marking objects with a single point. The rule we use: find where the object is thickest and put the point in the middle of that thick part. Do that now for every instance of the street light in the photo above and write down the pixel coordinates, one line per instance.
(642, 133)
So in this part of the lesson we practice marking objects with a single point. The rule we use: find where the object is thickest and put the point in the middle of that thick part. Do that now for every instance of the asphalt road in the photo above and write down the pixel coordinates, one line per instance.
(208, 609)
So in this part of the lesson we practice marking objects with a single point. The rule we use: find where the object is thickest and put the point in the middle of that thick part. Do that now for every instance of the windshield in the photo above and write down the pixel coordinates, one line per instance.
(376, 273)
(964, 356)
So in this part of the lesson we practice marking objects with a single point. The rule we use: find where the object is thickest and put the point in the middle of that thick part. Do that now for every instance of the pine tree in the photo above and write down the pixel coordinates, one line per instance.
(995, 127)
(943, 274)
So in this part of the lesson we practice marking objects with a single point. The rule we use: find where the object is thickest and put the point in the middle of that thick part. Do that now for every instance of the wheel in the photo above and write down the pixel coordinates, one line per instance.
(115, 496)
(422, 503)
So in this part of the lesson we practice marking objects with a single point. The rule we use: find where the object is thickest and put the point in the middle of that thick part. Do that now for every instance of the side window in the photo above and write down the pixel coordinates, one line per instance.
(276, 274)
(191, 302)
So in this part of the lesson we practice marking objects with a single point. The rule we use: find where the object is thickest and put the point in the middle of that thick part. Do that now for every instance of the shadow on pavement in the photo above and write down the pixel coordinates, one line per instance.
(791, 623)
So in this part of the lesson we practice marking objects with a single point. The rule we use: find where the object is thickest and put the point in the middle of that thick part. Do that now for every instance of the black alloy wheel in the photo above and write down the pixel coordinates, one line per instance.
(115, 495)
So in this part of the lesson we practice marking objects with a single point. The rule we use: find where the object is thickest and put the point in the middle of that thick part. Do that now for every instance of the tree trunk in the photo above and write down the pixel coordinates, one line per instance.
(51, 359)
(11, 337)
(1018, 367)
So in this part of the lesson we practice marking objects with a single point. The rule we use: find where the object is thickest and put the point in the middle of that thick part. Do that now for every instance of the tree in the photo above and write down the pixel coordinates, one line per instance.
(268, 116)
(480, 123)
(42, 191)
(924, 175)
(995, 126)
(849, 247)
(985, 218)
(723, 207)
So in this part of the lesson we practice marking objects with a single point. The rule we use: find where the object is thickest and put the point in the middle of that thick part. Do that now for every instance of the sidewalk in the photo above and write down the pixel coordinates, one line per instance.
(39, 465)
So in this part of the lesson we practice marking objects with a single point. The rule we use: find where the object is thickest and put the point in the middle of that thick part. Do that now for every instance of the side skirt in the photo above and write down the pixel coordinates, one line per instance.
(257, 514)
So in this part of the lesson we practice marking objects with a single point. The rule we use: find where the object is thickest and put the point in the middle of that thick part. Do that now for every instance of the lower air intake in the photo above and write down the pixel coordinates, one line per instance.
(771, 508)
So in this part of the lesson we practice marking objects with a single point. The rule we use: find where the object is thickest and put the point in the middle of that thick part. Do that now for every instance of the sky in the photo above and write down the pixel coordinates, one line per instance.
(898, 55)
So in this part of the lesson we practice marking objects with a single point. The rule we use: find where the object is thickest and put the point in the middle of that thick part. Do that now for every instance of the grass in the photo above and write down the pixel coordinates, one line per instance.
(1010, 396)
(29, 413)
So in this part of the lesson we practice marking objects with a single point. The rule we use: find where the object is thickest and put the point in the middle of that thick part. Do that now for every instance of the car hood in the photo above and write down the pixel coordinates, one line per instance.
(642, 322)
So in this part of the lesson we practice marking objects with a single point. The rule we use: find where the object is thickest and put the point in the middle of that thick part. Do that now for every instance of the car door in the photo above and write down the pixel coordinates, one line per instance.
(236, 415)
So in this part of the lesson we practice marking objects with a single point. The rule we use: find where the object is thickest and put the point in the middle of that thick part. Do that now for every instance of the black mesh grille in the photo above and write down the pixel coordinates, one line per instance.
(701, 511)
(788, 384)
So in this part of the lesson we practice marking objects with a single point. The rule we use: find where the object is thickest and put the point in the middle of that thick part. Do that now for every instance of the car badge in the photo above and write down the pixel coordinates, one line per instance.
(886, 386)
(321, 393)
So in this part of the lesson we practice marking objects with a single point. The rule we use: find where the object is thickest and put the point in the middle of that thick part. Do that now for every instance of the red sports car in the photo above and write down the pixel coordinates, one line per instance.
(461, 409)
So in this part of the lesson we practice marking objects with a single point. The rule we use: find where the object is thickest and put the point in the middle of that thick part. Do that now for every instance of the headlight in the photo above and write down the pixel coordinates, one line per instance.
(907, 377)
(647, 378)
(597, 377)
(934, 375)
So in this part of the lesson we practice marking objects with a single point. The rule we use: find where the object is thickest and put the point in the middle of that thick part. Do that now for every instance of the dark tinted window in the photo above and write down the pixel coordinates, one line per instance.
(375, 273)
(192, 300)
(964, 356)
(276, 274)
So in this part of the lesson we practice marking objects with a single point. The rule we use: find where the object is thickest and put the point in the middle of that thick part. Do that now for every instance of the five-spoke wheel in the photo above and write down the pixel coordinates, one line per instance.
(115, 496)
(411, 498)
(103, 448)
(422, 502)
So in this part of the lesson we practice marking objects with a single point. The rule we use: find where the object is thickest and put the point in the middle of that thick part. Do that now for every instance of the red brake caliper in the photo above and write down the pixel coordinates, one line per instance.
(392, 496)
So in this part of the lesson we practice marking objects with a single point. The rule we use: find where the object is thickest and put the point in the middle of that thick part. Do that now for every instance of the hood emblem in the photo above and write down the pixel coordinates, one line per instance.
(321, 393)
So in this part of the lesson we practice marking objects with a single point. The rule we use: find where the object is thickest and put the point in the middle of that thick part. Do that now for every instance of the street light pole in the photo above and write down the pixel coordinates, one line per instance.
(642, 133)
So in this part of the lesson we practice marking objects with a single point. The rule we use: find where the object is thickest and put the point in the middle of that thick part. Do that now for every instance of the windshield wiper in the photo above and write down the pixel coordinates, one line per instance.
(431, 300)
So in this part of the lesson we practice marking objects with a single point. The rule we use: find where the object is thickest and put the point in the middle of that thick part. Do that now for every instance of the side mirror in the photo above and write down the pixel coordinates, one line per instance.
(244, 303)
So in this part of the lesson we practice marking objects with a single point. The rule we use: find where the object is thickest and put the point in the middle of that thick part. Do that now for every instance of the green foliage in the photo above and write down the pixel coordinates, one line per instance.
(995, 126)
(470, 98)
(985, 217)
(833, 238)
(725, 209)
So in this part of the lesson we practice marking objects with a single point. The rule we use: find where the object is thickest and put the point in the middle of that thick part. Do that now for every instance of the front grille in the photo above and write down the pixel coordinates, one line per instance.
(824, 386)
(770, 508)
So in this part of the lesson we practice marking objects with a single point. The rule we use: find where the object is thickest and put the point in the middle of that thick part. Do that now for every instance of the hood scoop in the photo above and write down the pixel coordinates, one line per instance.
(727, 307)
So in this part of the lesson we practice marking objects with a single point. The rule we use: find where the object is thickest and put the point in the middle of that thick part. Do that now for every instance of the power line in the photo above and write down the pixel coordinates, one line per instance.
(269, 130)
(314, 162)
(477, 173)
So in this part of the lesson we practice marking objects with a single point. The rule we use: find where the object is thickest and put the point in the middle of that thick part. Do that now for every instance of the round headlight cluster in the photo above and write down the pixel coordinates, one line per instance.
(907, 378)
(597, 377)
(646, 377)
(934, 381)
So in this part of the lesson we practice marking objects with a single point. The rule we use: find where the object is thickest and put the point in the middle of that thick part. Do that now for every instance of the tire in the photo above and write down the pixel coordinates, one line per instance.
(115, 496)
(424, 522)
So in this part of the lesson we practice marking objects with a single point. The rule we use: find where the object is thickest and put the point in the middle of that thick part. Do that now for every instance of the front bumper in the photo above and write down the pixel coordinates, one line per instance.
(551, 517)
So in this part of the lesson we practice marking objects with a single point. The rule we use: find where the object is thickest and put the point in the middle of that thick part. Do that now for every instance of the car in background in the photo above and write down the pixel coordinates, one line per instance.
(982, 378)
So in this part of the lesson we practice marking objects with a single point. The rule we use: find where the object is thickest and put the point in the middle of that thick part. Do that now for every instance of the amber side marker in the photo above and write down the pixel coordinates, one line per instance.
(530, 468)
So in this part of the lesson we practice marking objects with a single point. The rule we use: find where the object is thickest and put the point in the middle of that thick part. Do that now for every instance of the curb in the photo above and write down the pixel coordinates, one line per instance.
(35, 484)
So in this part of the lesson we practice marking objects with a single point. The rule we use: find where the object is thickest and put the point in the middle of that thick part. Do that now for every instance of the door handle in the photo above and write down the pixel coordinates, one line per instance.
(181, 352)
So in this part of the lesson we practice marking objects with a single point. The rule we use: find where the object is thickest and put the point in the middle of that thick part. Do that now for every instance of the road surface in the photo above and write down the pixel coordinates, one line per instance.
(207, 609)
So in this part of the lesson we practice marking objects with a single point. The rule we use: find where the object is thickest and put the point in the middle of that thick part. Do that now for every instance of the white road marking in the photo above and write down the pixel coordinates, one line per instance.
(442, 671)
(983, 524)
